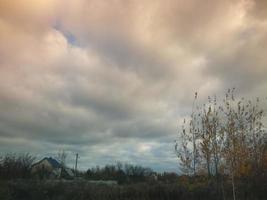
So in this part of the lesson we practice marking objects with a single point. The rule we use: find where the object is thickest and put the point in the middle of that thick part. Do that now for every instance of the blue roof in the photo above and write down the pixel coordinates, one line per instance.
(53, 162)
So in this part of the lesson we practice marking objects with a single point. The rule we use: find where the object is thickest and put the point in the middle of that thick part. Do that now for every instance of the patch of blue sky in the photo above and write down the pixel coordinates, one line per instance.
(67, 34)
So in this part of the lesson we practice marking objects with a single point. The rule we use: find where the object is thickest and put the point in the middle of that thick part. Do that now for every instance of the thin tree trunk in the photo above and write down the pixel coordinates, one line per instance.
(233, 184)
(223, 195)
(208, 166)
(194, 164)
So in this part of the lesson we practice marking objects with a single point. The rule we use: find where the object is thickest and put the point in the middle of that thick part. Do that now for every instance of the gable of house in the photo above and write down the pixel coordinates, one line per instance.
(48, 164)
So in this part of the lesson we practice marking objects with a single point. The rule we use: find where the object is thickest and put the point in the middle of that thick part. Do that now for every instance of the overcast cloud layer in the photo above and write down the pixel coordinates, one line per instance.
(112, 79)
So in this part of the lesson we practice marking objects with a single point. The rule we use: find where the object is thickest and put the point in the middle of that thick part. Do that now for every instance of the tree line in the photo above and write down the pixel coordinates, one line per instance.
(123, 173)
(19, 166)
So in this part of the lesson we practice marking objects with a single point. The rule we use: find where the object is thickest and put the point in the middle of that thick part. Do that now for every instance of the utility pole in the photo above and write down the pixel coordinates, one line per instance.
(76, 162)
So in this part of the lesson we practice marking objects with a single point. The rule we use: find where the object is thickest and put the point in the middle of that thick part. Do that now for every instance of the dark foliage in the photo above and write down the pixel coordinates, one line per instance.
(14, 166)
(188, 188)
(121, 173)
(135, 182)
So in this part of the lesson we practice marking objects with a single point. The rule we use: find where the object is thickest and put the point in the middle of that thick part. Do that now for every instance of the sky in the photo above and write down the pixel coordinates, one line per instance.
(112, 79)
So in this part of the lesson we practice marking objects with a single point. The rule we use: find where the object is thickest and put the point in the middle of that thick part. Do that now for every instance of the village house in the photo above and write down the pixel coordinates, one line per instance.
(50, 168)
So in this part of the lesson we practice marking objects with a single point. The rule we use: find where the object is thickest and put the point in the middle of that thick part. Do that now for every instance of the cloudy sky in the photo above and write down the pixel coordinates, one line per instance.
(112, 79)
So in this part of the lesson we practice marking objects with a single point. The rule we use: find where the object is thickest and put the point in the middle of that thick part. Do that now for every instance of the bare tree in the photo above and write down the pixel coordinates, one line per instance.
(186, 147)
(14, 166)
(61, 157)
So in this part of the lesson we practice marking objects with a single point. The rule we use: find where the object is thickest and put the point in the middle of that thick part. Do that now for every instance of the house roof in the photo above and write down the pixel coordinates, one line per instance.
(54, 163)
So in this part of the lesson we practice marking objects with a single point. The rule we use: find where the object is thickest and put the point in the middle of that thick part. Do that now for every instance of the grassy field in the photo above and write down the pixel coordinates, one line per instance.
(83, 190)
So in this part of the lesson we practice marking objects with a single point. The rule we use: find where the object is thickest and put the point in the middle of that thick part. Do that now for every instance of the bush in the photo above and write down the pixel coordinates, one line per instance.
(14, 166)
